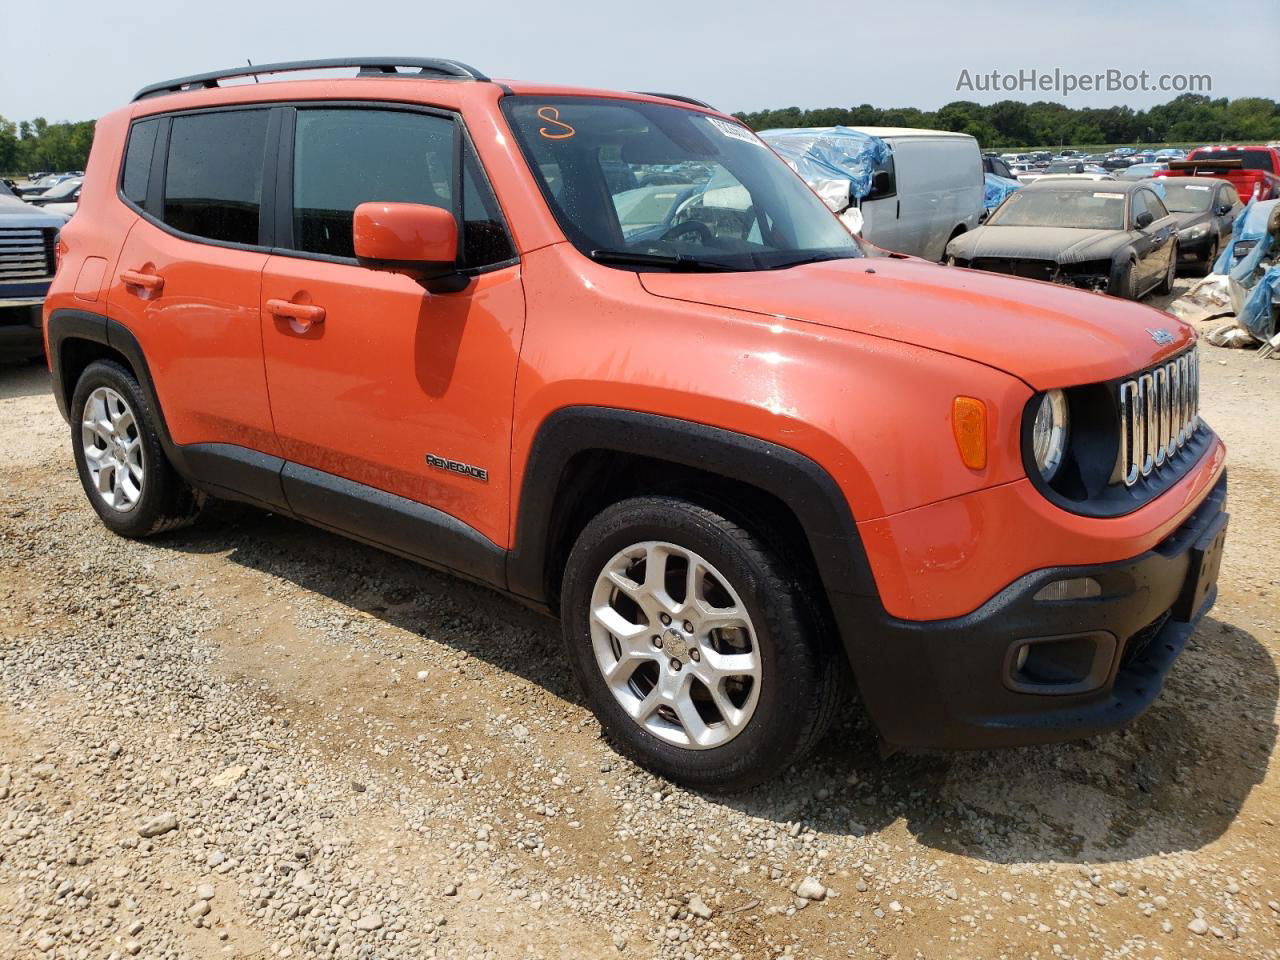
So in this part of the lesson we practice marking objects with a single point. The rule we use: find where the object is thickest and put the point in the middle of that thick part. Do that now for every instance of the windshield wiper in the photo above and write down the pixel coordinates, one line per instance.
(815, 258)
(676, 262)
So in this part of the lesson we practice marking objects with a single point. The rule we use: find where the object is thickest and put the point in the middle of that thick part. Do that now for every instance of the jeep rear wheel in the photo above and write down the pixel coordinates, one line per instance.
(122, 466)
(692, 646)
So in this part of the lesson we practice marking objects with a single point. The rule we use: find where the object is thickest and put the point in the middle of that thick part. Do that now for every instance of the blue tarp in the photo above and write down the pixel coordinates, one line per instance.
(1256, 314)
(836, 161)
(1251, 224)
(997, 188)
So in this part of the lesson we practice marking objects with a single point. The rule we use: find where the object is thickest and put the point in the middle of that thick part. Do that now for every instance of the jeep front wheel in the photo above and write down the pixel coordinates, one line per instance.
(692, 645)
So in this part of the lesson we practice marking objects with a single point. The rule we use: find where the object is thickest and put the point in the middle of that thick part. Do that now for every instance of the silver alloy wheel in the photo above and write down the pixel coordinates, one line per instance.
(675, 645)
(112, 448)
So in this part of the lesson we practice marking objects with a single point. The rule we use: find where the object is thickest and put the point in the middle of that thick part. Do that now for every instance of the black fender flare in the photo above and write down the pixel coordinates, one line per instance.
(796, 480)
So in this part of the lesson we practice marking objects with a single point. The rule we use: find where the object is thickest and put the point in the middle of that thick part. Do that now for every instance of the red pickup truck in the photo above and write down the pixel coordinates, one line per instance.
(1249, 169)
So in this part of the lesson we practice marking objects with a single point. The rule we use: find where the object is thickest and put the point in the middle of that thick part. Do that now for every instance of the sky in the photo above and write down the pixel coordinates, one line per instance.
(744, 55)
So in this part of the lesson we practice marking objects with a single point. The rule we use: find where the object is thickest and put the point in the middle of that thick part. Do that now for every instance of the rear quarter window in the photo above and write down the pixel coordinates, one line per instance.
(137, 161)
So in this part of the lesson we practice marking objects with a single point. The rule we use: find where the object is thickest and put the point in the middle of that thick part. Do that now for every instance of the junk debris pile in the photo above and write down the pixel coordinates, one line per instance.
(1245, 282)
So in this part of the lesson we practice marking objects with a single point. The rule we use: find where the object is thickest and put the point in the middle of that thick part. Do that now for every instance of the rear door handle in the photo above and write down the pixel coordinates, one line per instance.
(300, 315)
(152, 283)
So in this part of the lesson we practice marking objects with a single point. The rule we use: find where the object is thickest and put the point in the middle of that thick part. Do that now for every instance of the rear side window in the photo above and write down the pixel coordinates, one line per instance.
(213, 179)
(137, 161)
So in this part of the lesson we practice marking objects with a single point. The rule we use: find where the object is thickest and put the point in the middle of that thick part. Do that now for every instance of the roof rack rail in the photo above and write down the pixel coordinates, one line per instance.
(369, 66)
(675, 96)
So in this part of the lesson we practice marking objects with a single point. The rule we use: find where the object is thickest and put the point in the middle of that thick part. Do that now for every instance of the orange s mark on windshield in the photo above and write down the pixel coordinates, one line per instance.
(552, 115)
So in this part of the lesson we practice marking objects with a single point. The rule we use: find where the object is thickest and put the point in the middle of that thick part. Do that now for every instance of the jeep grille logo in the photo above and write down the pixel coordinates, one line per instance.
(457, 466)
(1160, 335)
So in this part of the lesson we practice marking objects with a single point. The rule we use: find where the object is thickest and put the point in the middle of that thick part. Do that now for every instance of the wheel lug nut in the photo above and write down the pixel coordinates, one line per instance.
(694, 655)
(688, 627)
(675, 665)
(657, 642)
(664, 618)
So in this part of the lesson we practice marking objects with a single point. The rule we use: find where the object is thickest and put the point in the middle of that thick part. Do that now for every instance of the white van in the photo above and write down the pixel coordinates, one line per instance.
(929, 192)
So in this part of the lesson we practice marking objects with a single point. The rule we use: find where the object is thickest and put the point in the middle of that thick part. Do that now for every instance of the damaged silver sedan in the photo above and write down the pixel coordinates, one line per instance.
(1116, 238)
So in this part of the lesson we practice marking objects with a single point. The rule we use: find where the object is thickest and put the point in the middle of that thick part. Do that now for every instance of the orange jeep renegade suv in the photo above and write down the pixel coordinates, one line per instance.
(607, 353)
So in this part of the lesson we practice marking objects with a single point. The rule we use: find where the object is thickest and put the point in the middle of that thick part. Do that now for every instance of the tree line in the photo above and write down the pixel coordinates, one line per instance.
(1186, 120)
(30, 145)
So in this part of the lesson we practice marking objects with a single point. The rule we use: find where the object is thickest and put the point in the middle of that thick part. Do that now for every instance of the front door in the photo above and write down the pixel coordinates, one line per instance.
(395, 388)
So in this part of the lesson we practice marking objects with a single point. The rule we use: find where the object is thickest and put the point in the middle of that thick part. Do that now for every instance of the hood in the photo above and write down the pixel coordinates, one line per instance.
(1048, 335)
(1060, 244)
(16, 213)
(1185, 220)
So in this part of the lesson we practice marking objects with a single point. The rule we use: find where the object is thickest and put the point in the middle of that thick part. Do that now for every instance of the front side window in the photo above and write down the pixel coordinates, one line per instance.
(213, 178)
(348, 156)
(345, 157)
(639, 184)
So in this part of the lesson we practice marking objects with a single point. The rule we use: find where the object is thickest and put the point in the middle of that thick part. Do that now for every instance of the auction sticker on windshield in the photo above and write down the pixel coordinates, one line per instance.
(1108, 196)
(734, 131)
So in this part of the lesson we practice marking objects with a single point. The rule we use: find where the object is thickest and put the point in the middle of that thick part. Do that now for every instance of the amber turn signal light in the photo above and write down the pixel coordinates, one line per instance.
(969, 421)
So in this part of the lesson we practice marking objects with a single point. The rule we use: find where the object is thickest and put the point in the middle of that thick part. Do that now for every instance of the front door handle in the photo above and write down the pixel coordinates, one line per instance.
(300, 315)
(152, 283)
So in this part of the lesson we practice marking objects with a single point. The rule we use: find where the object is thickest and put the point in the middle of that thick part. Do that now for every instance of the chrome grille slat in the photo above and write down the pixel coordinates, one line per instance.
(1159, 414)
(26, 253)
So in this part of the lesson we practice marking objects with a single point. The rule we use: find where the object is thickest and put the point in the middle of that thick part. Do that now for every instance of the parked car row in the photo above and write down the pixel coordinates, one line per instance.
(1126, 238)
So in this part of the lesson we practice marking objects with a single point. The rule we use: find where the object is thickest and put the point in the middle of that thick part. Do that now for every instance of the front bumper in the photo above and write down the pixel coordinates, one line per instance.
(1197, 249)
(21, 334)
(950, 684)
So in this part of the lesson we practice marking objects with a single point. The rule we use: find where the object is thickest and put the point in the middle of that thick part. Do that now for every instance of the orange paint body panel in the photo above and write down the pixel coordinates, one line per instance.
(394, 374)
(945, 559)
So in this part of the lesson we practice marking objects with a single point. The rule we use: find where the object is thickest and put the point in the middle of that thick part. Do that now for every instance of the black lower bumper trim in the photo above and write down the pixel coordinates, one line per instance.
(946, 684)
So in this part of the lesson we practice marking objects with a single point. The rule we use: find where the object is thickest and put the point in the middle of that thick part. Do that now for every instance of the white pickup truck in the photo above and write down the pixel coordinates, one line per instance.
(27, 238)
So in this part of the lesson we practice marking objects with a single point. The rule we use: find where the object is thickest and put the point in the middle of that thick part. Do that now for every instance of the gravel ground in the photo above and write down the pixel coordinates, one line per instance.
(254, 739)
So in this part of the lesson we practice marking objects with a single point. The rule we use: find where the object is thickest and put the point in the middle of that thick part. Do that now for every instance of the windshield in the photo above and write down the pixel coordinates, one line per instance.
(646, 185)
(1187, 197)
(1083, 209)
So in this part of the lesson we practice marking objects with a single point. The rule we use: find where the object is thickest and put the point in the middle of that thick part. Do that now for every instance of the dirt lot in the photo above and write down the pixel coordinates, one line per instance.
(255, 739)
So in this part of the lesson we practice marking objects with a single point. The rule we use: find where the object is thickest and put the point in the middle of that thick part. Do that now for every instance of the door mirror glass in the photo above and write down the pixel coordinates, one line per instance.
(881, 185)
(415, 239)
(1143, 220)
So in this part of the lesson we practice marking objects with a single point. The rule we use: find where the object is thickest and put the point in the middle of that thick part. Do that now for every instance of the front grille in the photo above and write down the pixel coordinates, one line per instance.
(26, 253)
(1031, 269)
(1159, 413)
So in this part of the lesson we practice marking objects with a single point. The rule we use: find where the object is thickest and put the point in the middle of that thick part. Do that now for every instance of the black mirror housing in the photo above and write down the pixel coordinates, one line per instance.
(1143, 221)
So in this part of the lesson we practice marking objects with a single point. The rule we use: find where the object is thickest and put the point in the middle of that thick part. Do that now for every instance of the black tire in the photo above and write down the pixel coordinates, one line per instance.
(801, 682)
(1166, 284)
(1211, 256)
(167, 502)
(1126, 283)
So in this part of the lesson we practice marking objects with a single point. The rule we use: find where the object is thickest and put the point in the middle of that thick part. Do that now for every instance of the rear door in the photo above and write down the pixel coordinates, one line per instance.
(188, 279)
(398, 390)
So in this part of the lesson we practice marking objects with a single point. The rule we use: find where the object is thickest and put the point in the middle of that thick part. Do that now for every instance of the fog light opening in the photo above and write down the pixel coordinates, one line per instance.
(1076, 663)
(1077, 588)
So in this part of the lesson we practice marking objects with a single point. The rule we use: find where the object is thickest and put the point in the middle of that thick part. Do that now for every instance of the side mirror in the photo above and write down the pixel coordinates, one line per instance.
(1223, 209)
(1143, 221)
(414, 239)
(881, 184)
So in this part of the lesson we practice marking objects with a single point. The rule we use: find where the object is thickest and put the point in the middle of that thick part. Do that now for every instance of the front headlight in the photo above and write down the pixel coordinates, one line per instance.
(1194, 233)
(1049, 433)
